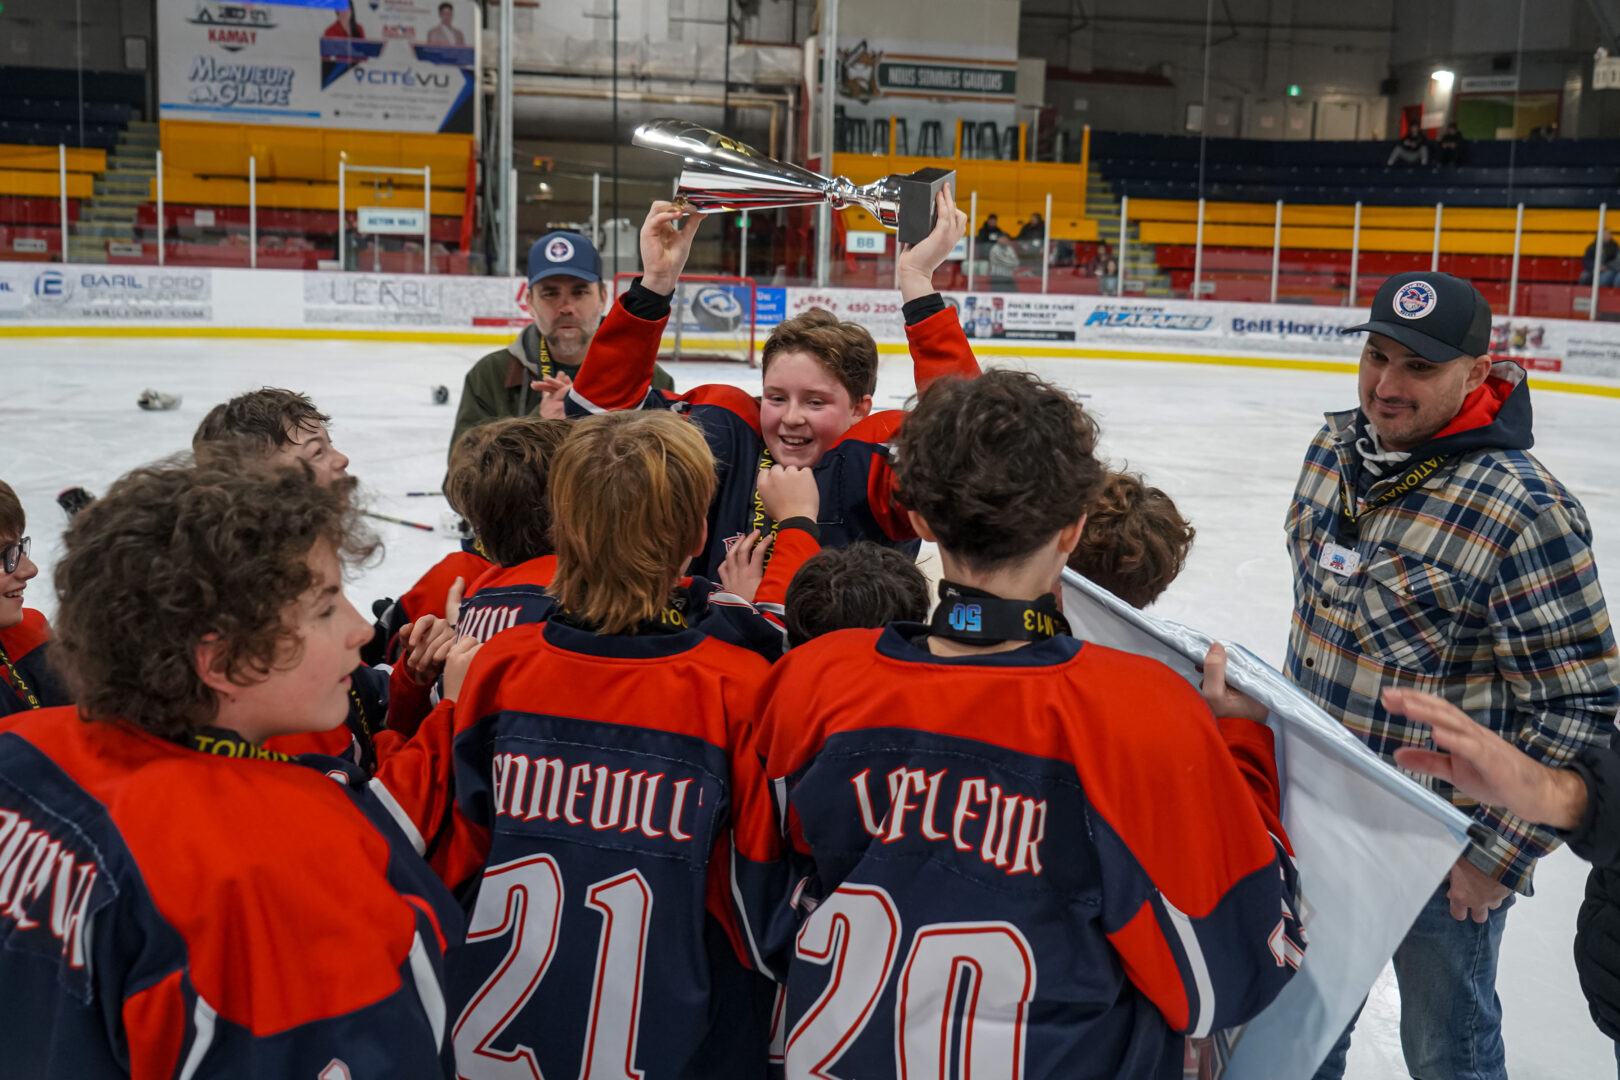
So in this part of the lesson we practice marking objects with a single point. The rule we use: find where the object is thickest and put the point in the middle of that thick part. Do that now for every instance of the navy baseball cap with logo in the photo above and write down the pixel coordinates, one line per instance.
(564, 253)
(1437, 316)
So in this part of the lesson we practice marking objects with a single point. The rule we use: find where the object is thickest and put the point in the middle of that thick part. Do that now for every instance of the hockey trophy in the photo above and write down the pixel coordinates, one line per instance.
(720, 174)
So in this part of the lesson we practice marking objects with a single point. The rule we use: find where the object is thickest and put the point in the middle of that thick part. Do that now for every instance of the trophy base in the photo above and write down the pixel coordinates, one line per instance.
(918, 193)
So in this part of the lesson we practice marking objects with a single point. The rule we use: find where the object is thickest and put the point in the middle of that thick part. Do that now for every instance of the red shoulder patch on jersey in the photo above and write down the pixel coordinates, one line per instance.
(426, 597)
(878, 428)
(334, 743)
(26, 636)
(733, 399)
(275, 880)
(538, 571)
(520, 668)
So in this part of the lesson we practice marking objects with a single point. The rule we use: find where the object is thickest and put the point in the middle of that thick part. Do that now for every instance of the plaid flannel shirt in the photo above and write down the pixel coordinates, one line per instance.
(1479, 586)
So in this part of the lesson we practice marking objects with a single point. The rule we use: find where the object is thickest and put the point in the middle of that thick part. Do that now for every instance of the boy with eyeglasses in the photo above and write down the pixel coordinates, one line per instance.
(26, 679)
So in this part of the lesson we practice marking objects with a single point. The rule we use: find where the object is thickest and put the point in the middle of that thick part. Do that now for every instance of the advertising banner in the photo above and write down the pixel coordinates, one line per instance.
(383, 65)
(407, 300)
(876, 309)
(1015, 316)
(103, 294)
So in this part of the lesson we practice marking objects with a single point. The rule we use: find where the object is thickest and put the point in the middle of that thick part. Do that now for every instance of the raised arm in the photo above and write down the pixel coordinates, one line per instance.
(933, 330)
(619, 366)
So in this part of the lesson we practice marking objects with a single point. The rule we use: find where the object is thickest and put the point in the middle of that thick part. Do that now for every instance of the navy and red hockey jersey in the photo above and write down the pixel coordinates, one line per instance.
(513, 596)
(855, 475)
(407, 702)
(26, 679)
(169, 912)
(507, 596)
(1038, 863)
(597, 780)
(426, 597)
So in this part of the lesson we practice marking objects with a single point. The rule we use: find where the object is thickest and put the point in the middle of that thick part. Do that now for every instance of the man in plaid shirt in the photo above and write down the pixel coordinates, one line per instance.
(1432, 551)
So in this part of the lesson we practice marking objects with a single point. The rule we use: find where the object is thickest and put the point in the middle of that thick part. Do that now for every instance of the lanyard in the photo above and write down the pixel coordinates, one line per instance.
(17, 682)
(547, 368)
(975, 617)
(762, 522)
(229, 744)
(1349, 524)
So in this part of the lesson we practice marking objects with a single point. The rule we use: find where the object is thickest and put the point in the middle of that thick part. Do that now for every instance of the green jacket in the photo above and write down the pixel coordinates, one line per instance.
(498, 385)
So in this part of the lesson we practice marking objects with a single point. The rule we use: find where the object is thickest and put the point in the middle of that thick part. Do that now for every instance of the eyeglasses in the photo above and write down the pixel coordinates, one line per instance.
(11, 556)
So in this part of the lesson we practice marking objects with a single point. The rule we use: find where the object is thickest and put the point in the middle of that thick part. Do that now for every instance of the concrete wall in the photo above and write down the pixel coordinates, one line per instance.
(1334, 52)
(989, 24)
(49, 33)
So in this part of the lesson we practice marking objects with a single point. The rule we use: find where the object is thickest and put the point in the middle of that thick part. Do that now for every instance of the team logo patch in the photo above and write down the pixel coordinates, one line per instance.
(1415, 300)
(560, 250)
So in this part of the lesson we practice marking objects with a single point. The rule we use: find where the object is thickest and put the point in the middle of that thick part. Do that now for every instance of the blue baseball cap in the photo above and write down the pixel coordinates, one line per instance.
(564, 253)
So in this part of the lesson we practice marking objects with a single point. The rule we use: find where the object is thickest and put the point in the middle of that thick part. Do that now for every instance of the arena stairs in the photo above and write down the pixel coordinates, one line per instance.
(109, 216)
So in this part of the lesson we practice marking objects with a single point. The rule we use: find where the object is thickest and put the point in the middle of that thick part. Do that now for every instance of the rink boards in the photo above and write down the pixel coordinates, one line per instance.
(54, 300)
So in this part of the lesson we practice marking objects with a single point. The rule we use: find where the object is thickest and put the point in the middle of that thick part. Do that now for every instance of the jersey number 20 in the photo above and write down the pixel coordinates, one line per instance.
(963, 990)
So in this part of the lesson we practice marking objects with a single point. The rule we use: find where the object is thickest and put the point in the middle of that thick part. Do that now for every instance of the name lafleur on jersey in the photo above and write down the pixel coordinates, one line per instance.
(1005, 828)
(653, 804)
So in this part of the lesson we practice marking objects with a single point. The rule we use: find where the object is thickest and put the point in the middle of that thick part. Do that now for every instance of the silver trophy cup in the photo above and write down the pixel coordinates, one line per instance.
(720, 174)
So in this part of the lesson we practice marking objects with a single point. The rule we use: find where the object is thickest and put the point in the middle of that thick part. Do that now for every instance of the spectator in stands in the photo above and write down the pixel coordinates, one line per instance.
(1413, 149)
(1100, 259)
(1034, 229)
(531, 376)
(1606, 268)
(1003, 264)
(1545, 133)
(446, 33)
(989, 230)
(1452, 145)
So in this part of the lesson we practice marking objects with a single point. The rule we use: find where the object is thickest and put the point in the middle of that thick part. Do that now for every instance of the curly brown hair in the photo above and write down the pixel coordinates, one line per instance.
(997, 465)
(172, 555)
(498, 481)
(630, 494)
(862, 585)
(257, 421)
(845, 349)
(1135, 541)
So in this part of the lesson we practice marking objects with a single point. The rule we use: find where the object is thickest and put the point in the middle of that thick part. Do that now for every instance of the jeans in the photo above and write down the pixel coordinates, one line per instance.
(1451, 1018)
(1606, 278)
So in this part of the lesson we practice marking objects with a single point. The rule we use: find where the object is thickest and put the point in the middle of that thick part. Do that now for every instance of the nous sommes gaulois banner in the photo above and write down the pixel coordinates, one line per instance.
(382, 65)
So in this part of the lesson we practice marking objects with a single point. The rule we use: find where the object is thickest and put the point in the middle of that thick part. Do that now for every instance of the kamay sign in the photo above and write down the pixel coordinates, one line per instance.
(103, 294)
(383, 65)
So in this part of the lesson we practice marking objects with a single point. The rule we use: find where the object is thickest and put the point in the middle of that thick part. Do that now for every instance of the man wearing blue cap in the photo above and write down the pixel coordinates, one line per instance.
(1433, 552)
(532, 375)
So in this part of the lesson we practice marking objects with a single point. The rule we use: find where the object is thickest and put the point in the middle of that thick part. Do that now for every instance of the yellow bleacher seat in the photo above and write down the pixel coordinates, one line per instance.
(298, 195)
(311, 154)
(31, 184)
(45, 159)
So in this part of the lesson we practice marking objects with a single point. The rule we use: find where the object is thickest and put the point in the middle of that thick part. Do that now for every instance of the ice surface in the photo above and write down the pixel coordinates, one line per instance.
(1225, 442)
